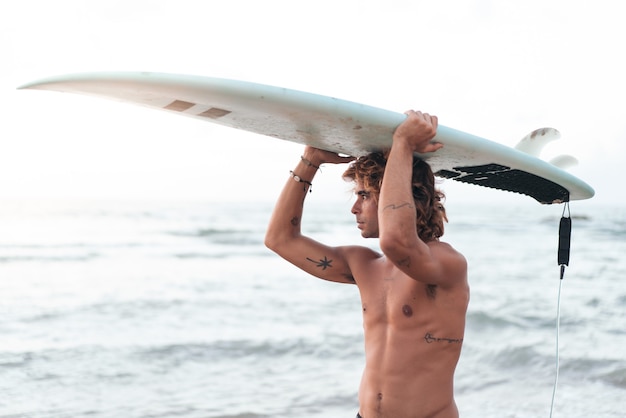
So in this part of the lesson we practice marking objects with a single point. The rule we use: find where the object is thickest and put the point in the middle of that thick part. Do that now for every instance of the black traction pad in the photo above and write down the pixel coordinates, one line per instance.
(500, 177)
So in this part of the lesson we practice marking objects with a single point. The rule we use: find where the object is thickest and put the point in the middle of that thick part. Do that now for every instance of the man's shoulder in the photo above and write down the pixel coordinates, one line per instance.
(360, 253)
(364, 262)
(455, 263)
(445, 248)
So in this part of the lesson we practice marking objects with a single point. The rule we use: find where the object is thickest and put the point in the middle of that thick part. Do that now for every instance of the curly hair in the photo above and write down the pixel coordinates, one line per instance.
(430, 211)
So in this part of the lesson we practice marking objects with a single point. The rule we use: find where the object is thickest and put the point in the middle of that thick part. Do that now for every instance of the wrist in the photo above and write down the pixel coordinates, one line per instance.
(310, 163)
(313, 157)
(305, 171)
(401, 143)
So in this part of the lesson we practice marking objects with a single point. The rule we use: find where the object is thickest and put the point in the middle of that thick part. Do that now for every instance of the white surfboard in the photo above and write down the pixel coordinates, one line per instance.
(329, 123)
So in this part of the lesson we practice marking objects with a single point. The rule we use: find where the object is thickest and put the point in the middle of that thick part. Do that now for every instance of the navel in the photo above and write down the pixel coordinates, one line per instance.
(407, 311)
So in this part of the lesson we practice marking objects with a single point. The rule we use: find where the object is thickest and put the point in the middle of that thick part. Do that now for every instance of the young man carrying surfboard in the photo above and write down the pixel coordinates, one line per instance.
(414, 295)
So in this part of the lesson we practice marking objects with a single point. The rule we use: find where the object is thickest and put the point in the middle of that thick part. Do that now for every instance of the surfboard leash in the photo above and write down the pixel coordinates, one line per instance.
(565, 235)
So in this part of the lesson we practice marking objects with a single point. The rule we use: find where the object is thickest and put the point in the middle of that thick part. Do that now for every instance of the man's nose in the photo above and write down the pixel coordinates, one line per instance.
(356, 208)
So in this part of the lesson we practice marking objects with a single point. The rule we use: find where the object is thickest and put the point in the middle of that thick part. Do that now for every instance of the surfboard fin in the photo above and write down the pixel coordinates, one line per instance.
(534, 142)
(564, 161)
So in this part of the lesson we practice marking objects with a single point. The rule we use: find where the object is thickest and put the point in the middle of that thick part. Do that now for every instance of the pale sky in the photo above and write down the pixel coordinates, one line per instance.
(497, 69)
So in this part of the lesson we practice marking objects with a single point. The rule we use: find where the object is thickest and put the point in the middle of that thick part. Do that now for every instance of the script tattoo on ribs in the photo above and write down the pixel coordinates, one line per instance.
(323, 263)
(430, 338)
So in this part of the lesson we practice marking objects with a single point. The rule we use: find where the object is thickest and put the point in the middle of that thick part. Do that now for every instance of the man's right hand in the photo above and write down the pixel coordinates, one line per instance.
(319, 156)
(417, 131)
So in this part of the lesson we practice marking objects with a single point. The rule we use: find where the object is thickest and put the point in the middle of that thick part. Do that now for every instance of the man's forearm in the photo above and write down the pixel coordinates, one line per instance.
(285, 221)
(396, 207)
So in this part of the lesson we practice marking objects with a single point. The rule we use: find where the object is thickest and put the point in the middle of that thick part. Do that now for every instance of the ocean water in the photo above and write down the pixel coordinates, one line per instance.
(176, 309)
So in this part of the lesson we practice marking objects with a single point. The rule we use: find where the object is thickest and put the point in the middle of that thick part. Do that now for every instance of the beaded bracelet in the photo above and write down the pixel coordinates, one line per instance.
(301, 180)
(307, 162)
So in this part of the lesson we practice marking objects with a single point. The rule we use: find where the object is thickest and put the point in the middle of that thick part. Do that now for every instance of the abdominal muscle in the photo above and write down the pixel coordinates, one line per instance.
(407, 377)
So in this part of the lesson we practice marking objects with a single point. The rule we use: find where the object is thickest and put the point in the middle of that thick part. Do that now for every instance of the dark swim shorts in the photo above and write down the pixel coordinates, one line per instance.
(358, 415)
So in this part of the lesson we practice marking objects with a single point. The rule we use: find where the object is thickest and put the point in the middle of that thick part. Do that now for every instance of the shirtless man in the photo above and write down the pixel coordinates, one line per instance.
(414, 295)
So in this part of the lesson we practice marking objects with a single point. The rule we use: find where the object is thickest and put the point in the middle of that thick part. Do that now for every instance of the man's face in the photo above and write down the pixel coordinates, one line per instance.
(365, 209)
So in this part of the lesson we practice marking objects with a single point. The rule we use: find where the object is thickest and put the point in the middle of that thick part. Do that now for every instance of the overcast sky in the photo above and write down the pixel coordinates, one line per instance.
(497, 69)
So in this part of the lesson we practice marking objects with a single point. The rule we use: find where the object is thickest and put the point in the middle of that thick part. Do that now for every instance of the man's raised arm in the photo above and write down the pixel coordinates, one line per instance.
(284, 235)
(399, 238)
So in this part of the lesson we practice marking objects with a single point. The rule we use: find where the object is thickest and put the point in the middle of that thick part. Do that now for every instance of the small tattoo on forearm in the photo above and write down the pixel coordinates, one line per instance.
(323, 263)
(295, 221)
(394, 206)
(430, 338)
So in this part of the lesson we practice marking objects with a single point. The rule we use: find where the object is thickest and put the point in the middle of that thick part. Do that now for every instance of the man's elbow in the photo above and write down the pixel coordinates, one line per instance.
(271, 241)
(276, 240)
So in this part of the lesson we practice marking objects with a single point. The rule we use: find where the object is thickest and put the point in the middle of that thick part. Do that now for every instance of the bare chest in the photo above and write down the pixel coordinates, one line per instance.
(395, 299)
